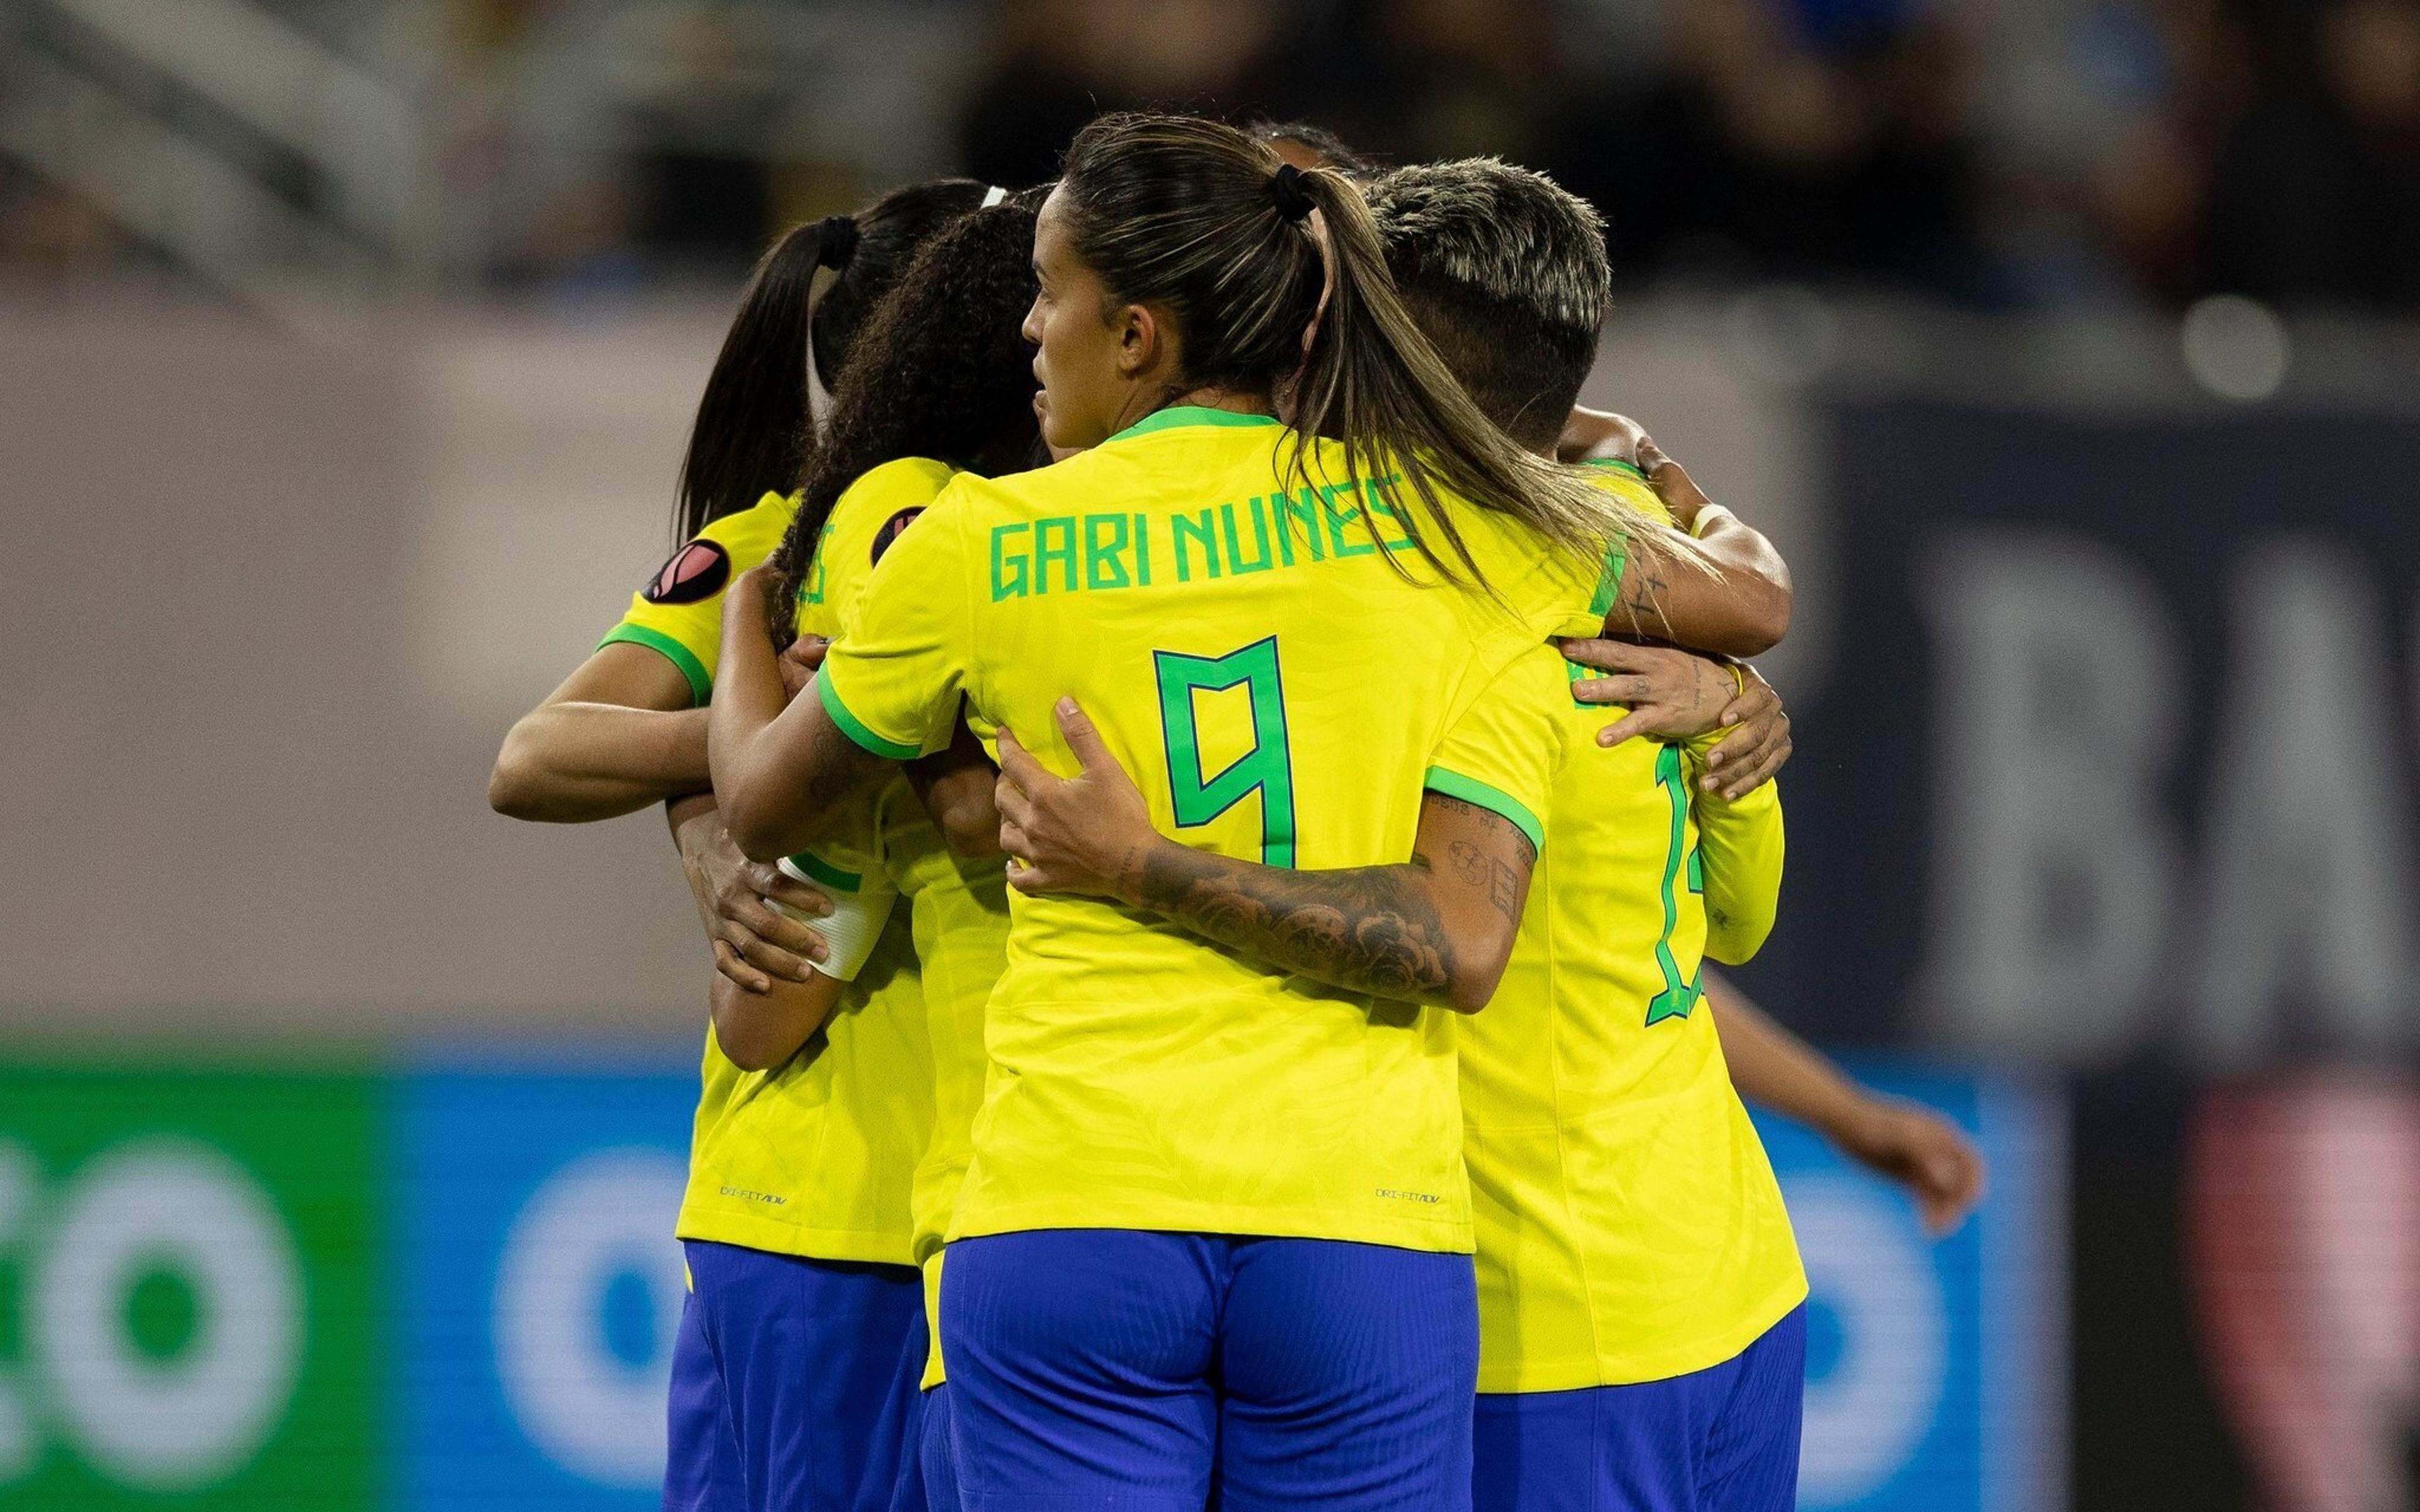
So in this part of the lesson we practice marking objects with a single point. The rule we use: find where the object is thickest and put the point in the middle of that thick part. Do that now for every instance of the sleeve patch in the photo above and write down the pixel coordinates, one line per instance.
(696, 572)
(892, 528)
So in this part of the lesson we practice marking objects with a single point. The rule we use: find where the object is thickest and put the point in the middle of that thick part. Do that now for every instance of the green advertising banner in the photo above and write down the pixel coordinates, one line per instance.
(189, 1289)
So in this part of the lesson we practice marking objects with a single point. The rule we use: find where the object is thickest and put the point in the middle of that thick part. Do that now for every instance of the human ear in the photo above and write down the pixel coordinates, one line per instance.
(1139, 337)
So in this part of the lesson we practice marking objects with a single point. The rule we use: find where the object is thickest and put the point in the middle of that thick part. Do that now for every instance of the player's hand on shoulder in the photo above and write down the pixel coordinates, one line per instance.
(1672, 484)
(1089, 834)
(1597, 436)
(755, 943)
(1758, 745)
(1670, 694)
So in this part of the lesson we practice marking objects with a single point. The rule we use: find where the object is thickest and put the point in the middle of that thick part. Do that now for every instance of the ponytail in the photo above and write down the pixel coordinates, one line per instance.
(747, 439)
(1372, 381)
(754, 432)
(1279, 283)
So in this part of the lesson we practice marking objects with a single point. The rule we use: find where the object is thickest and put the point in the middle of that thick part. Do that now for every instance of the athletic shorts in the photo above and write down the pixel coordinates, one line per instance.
(1723, 1439)
(792, 1382)
(1125, 1371)
(928, 1477)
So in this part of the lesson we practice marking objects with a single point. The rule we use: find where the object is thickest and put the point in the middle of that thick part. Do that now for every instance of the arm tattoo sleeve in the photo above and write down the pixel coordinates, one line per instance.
(1368, 929)
(1476, 867)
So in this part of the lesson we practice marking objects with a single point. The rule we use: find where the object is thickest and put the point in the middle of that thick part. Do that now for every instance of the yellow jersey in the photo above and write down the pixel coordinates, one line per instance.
(816, 1156)
(1630, 1228)
(957, 909)
(678, 614)
(960, 915)
(1283, 677)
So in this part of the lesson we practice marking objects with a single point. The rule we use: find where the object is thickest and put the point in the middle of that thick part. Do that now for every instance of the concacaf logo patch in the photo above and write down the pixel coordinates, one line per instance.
(892, 528)
(697, 571)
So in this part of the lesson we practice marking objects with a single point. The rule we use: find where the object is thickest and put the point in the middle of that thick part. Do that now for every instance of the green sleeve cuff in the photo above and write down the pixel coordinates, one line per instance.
(701, 681)
(1495, 800)
(855, 727)
(820, 870)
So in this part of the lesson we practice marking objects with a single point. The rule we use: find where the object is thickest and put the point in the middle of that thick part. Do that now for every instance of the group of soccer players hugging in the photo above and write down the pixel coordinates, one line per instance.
(1208, 864)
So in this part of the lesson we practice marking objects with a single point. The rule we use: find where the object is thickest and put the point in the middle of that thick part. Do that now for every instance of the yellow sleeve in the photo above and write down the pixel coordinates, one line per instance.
(1739, 860)
(1502, 753)
(893, 679)
(678, 612)
(1626, 483)
(868, 517)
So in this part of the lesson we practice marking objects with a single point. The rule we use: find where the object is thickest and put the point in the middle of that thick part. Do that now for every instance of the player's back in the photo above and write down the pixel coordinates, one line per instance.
(856, 1096)
(1629, 1224)
(1280, 692)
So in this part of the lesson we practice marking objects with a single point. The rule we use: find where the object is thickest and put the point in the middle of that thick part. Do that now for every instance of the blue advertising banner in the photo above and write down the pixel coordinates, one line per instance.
(1935, 1367)
(540, 1286)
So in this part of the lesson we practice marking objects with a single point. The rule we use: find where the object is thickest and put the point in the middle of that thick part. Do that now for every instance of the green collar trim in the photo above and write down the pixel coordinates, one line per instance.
(1616, 465)
(1190, 414)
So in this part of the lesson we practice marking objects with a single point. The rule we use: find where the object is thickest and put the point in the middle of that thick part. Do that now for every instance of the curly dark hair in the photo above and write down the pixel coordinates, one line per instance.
(941, 369)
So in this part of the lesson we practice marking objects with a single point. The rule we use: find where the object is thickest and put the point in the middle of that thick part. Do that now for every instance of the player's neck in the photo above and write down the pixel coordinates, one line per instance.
(1212, 397)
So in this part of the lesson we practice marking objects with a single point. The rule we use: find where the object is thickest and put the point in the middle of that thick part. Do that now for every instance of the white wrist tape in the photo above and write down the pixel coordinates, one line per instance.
(860, 906)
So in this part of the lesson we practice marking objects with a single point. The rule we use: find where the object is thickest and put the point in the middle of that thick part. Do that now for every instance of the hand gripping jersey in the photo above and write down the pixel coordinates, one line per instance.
(1282, 692)
(814, 1157)
(1630, 1228)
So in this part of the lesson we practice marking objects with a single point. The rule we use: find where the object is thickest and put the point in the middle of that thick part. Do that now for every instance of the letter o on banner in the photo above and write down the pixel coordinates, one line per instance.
(602, 1217)
(21, 1183)
(184, 1422)
(1866, 1262)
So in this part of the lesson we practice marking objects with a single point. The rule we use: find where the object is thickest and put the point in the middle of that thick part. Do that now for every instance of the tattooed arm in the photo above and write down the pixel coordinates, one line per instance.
(1436, 929)
(1721, 587)
(780, 773)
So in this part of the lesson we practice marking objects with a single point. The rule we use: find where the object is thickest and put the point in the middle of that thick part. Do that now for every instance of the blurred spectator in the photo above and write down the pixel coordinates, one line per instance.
(1059, 63)
(703, 93)
(2055, 151)
(49, 236)
(2193, 71)
(1802, 137)
(2316, 195)
(1419, 80)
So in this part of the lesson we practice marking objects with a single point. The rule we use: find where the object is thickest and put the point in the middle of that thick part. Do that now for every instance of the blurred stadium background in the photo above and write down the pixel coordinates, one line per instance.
(345, 351)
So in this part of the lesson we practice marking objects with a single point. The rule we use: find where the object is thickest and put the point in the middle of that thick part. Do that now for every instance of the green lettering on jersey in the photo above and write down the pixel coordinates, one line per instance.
(1268, 768)
(1143, 550)
(1105, 542)
(1680, 993)
(1303, 511)
(1339, 518)
(1012, 571)
(1044, 553)
(1235, 562)
(1386, 506)
(1197, 529)
(812, 593)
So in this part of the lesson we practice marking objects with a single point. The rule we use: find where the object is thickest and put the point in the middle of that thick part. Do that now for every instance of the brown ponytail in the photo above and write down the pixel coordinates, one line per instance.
(753, 435)
(1196, 216)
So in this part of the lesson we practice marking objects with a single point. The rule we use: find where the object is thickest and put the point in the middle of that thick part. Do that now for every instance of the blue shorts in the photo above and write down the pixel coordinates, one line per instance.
(934, 1454)
(792, 1382)
(928, 1477)
(1723, 1439)
(1123, 1371)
